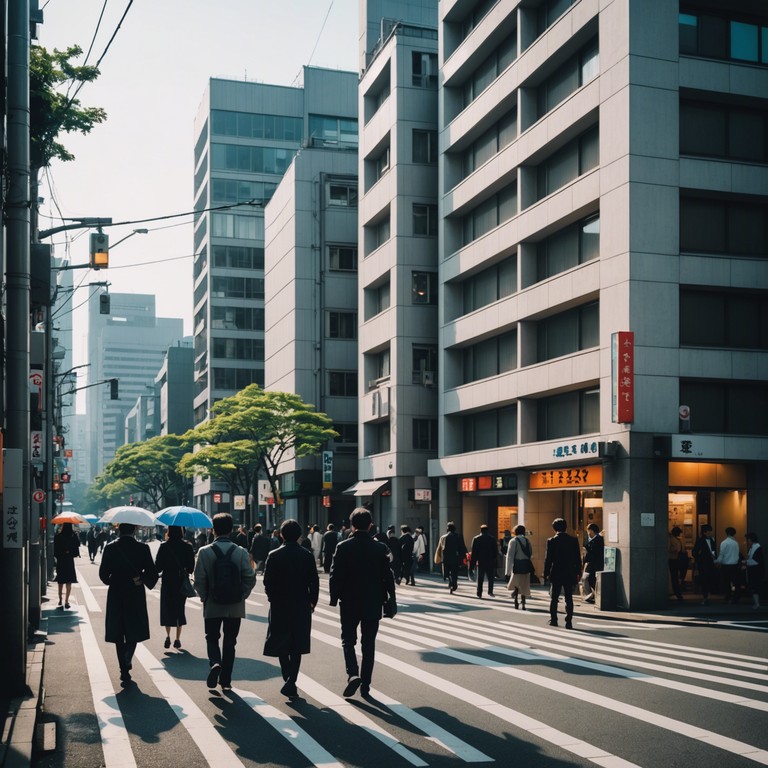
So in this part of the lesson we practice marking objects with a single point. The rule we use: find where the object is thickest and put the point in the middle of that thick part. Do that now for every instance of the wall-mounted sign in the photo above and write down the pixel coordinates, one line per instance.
(422, 494)
(488, 483)
(581, 450)
(239, 503)
(13, 509)
(623, 377)
(568, 477)
(327, 469)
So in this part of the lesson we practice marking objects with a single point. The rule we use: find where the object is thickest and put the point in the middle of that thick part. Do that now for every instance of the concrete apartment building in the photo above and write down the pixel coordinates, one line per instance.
(603, 285)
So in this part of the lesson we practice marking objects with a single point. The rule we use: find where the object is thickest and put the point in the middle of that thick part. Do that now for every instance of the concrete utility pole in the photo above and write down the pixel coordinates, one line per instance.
(13, 564)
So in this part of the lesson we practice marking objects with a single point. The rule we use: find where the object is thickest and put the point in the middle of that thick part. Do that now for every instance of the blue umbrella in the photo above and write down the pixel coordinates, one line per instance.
(186, 517)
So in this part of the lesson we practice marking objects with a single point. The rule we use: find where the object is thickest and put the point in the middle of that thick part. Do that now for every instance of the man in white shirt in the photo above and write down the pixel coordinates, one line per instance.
(419, 550)
(728, 560)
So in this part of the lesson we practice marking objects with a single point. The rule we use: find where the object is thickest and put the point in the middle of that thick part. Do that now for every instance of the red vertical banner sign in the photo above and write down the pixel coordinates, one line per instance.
(623, 377)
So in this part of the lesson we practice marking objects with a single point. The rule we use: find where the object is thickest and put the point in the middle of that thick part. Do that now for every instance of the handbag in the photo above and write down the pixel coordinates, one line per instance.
(439, 553)
(524, 565)
(185, 588)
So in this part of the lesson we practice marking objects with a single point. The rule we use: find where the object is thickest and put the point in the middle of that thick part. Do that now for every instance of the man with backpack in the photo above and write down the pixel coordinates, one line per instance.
(223, 580)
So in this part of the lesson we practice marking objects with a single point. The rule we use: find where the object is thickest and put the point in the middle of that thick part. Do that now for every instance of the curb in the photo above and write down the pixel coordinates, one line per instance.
(18, 737)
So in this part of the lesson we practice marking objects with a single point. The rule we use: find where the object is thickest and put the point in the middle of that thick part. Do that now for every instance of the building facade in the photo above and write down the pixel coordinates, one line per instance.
(174, 384)
(603, 282)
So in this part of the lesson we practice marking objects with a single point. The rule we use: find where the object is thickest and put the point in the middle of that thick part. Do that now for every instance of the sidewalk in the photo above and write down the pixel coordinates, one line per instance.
(70, 699)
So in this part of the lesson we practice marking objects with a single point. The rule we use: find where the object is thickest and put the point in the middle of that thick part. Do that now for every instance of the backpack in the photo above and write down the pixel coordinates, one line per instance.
(226, 587)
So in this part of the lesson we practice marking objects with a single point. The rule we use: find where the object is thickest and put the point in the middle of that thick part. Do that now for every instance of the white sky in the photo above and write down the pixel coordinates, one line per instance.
(139, 163)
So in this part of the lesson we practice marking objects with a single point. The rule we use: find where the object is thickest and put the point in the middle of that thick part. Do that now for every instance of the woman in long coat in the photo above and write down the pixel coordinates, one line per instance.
(175, 558)
(518, 566)
(127, 567)
(292, 586)
(66, 547)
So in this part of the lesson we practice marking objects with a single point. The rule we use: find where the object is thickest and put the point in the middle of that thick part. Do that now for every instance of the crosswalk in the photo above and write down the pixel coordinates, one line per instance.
(489, 642)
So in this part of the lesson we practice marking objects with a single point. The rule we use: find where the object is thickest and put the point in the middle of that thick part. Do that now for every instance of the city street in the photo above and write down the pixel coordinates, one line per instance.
(457, 680)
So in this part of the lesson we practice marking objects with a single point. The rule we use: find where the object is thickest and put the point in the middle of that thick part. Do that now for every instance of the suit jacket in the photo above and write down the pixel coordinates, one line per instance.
(453, 549)
(485, 550)
(126, 617)
(594, 554)
(204, 578)
(406, 546)
(562, 561)
(292, 586)
(361, 577)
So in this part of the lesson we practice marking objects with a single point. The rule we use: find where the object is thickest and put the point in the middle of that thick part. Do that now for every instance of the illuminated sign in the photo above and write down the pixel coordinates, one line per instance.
(568, 477)
(623, 377)
(488, 483)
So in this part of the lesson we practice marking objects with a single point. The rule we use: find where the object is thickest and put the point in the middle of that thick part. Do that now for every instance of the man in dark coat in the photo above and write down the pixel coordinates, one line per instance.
(127, 568)
(406, 554)
(485, 552)
(705, 552)
(260, 547)
(362, 580)
(292, 586)
(562, 566)
(328, 547)
(396, 562)
(594, 553)
(452, 551)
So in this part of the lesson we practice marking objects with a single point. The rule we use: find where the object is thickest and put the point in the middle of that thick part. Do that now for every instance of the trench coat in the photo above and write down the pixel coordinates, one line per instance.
(126, 617)
(174, 557)
(293, 587)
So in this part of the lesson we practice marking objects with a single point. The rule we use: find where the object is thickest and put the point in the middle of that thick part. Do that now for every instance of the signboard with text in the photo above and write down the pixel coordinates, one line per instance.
(13, 517)
(488, 483)
(623, 377)
(568, 477)
(327, 469)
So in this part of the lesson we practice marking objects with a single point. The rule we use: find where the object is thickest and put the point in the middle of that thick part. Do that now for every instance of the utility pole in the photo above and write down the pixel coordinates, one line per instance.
(13, 559)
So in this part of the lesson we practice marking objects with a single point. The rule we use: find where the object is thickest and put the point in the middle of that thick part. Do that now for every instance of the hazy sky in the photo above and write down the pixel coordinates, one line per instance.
(139, 163)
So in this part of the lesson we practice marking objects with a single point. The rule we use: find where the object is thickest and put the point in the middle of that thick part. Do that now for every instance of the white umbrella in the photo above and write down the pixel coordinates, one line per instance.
(132, 515)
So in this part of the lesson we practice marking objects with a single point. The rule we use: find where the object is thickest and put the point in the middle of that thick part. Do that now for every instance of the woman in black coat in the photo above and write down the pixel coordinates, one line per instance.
(292, 586)
(175, 558)
(66, 547)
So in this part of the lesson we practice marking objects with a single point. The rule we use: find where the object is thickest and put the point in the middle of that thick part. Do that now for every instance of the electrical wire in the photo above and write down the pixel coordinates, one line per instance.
(95, 32)
(317, 42)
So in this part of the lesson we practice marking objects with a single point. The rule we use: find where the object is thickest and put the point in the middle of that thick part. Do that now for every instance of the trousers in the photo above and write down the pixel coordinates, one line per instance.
(224, 655)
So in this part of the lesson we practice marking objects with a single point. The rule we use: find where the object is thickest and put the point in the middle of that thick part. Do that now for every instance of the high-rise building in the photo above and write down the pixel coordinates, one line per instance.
(174, 384)
(603, 282)
(128, 346)
(246, 136)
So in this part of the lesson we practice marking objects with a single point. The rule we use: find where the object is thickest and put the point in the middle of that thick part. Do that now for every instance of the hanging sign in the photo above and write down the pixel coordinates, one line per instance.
(623, 377)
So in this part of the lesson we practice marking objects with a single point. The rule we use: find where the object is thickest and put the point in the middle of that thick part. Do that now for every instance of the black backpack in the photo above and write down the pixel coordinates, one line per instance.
(227, 587)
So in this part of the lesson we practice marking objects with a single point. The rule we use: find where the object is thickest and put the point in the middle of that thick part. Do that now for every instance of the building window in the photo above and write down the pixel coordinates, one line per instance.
(237, 157)
(382, 232)
(574, 245)
(235, 227)
(498, 136)
(490, 213)
(382, 163)
(251, 126)
(726, 408)
(341, 325)
(568, 332)
(424, 287)
(490, 357)
(377, 438)
(571, 76)
(726, 319)
(424, 69)
(342, 383)
(425, 434)
(573, 413)
(238, 257)
(726, 226)
(491, 68)
(342, 194)
(377, 299)
(237, 287)
(324, 130)
(347, 432)
(494, 428)
(424, 363)
(424, 147)
(241, 191)
(425, 219)
(342, 258)
(490, 285)
(237, 378)
(719, 37)
(550, 11)
(237, 318)
(568, 163)
(238, 349)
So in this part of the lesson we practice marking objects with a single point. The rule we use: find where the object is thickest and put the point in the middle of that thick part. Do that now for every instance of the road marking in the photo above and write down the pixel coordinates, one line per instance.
(196, 606)
(213, 746)
(534, 727)
(289, 730)
(90, 601)
(630, 626)
(115, 742)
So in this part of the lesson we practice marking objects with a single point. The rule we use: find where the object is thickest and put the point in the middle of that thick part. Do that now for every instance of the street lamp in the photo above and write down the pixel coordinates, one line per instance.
(135, 232)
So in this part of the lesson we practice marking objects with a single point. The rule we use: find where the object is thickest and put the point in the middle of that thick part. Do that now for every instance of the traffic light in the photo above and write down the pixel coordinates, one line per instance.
(99, 250)
(104, 304)
(113, 395)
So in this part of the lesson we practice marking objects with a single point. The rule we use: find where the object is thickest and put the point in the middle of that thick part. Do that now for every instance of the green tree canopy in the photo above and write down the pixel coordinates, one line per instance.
(53, 111)
(103, 493)
(231, 463)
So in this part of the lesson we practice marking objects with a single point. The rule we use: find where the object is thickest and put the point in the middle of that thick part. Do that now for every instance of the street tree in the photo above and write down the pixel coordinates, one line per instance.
(104, 493)
(231, 463)
(152, 467)
(278, 425)
(52, 110)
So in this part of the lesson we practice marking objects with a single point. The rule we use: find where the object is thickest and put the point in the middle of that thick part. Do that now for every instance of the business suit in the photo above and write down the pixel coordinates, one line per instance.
(406, 556)
(562, 565)
(453, 551)
(594, 553)
(292, 586)
(361, 580)
(485, 551)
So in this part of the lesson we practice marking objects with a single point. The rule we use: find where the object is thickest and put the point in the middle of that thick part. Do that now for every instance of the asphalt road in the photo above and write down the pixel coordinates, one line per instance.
(457, 680)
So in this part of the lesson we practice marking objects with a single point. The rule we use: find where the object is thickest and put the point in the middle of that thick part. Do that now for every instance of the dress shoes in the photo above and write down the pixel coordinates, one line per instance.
(290, 690)
(353, 684)
(553, 622)
(167, 643)
(213, 676)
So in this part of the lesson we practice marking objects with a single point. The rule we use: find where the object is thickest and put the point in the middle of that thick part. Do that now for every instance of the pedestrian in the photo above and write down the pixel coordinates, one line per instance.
(200, 540)
(223, 580)
(406, 554)
(66, 547)
(519, 566)
(505, 542)
(422, 560)
(485, 551)
(395, 554)
(594, 558)
(260, 548)
(175, 560)
(704, 552)
(316, 539)
(128, 569)
(362, 581)
(562, 566)
(452, 550)
(754, 565)
(241, 539)
(292, 587)
(330, 540)
(728, 559)
(274, 540)
(675, 550)
(93, 543)
(419, 552)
